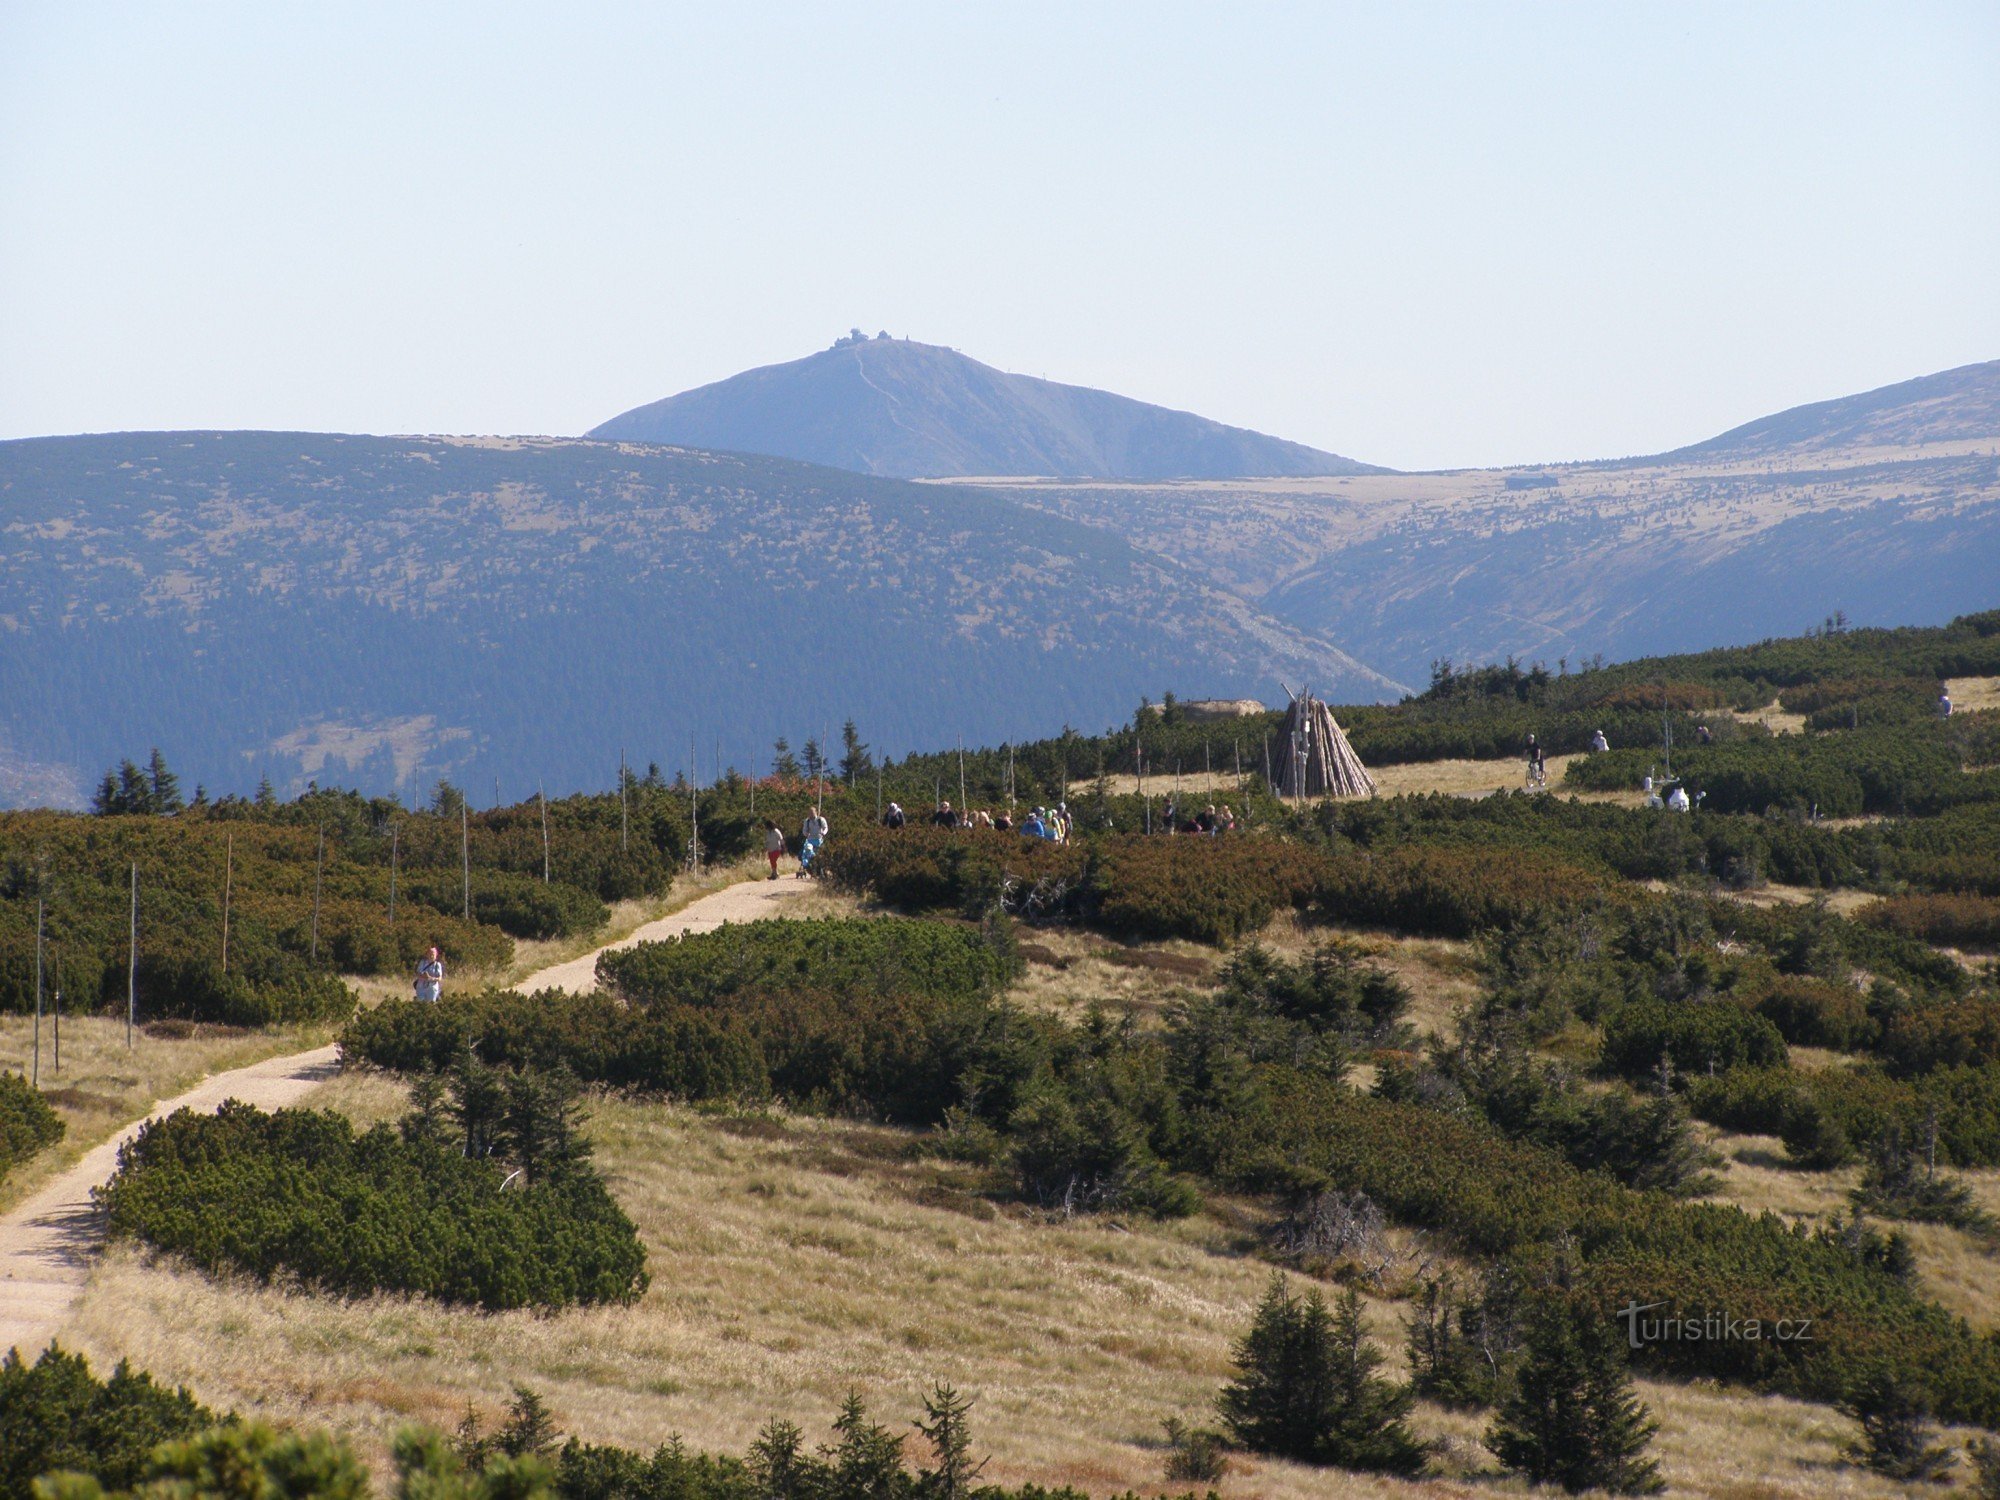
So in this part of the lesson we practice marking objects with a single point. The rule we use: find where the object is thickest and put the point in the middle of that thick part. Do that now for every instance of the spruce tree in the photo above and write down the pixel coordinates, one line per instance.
(1572, 1418)
(266, 797)
(135, 791)
(163, 786)
(867, 1461)
(1306, 1388)
(1369, 1427)
(784, 764)
(778, 1461)
(952, 1474)
(1897, 1438)
(855, 761)
(529, 1428)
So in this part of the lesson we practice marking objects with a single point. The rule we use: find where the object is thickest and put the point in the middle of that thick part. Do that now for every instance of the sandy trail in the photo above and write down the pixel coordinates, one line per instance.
(748, 901)
(49, 1240)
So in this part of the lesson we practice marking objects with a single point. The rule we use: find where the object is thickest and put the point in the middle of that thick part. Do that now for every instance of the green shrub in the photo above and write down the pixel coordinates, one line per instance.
(27, 1123)
(1452, 892)
(1963, 921)
(55, 1414)
(518, 905)
(1945, 1034)
(1825, 1117)
(1696, 1036)
(678, 1053)
(1812, 1012)
(844, 956)
(299, 1193)
(1210, 890)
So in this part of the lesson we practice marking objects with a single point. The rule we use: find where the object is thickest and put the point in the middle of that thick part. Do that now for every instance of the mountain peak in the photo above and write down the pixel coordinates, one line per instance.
(899, 408)
(1958, 405)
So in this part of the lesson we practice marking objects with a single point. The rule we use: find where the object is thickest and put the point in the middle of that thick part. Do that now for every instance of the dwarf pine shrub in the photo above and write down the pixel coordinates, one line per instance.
(298, 1193)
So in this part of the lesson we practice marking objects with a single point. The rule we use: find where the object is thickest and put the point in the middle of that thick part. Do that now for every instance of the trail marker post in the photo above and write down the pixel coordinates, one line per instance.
(542, 800)
(132, 962)
(228, 880)
(37, 1078)
(395, 832)
(319, 876)
(465, 856)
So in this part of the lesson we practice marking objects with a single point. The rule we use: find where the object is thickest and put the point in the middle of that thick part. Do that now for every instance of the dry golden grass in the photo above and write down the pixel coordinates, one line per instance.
(1957, 1268)
(1772, 716)
(1969, 693)
(1841, 902)
(103, 1086)
(1069, 970)
(794, 1259)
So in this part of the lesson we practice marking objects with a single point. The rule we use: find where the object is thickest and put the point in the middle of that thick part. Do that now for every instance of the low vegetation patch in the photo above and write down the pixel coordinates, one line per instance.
(298, 1193)
(27, 1122)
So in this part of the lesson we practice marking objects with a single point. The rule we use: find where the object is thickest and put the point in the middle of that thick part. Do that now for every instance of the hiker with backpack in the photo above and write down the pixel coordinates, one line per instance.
(812, 833)
(430, 977)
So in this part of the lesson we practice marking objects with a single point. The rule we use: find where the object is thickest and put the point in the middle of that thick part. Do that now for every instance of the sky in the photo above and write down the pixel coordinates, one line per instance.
(1421, 235)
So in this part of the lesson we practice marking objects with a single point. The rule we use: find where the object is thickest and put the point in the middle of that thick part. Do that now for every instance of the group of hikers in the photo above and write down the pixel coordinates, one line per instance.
(1054, 824)
(812, 833)
(1669, 794)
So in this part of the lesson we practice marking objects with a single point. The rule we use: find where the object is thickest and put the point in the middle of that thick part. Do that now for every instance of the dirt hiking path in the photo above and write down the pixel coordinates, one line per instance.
(748, 901)
(48, 1240)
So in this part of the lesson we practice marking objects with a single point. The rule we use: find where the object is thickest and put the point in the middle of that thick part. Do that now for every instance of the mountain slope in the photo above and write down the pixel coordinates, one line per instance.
(1961, 405)
(384, 611)
(893, 407)
(1884, 505)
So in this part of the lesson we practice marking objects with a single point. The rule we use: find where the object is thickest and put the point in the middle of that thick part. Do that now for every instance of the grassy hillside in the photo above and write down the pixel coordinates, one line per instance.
(1043, 1133)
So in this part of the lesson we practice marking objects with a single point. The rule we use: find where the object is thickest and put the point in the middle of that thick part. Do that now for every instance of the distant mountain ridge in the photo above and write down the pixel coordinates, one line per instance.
(909, 410)
(382, 612)
(1956, 405)
(1884, 506)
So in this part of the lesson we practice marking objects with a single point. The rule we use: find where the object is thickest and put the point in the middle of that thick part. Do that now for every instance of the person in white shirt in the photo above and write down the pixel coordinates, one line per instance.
(430, 977)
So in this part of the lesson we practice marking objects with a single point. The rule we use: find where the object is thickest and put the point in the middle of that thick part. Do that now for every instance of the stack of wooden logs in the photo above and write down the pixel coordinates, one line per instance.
(1315, 758)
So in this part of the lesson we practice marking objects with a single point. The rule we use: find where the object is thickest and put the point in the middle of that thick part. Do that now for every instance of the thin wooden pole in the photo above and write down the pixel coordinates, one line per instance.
(624, 824)
(58, 1013)
(319, 876)
(1010, 776)
(878, 791)
(132, 962)
(228, 882)
(465, 857)
(37, 1078)
(395, 833)
(961, 773)
(542, 798)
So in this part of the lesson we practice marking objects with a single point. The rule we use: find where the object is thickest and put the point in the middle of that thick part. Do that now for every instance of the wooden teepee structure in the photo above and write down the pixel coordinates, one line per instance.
(1316, 760)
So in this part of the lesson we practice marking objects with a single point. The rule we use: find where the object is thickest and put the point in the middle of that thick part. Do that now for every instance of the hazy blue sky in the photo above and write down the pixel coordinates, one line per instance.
(1423, 235)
